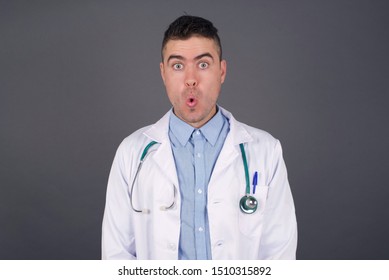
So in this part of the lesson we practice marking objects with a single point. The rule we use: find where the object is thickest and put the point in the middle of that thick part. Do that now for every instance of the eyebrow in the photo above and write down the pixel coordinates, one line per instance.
(180, 57)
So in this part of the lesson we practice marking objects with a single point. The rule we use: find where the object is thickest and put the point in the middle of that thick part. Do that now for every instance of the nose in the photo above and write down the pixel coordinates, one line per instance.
(190, 79)
(191, 83)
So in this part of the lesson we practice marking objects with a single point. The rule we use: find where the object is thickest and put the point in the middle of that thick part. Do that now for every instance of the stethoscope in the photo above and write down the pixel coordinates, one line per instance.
(142, 159)
(247, 204)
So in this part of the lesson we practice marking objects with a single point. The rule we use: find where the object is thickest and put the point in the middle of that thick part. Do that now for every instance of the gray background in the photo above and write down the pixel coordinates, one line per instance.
(76, 77)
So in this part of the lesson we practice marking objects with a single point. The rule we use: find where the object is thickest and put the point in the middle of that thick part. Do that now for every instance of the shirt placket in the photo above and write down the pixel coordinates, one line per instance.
(200, 201)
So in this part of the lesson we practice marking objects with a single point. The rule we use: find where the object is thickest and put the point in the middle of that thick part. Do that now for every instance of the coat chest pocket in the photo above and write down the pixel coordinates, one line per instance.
(251, 224)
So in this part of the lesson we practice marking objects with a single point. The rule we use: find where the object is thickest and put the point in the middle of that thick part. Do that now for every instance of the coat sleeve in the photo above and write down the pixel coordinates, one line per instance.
(118, 240)
(279, 238)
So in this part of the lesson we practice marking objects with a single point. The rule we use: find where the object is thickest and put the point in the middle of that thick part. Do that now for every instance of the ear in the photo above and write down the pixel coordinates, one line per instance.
(223, 70)
(161, 67)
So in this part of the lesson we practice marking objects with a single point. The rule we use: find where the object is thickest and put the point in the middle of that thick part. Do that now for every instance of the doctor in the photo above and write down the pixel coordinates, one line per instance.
(198, 184)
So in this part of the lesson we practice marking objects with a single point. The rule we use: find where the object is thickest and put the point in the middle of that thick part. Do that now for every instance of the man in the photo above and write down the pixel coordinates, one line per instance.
(191, 198)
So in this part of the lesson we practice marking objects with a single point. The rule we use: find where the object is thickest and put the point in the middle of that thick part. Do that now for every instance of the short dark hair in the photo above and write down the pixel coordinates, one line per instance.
(187, 26)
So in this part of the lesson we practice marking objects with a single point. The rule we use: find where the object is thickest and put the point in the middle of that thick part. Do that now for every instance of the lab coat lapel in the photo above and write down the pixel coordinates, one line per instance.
(163, 157)
(230, 151)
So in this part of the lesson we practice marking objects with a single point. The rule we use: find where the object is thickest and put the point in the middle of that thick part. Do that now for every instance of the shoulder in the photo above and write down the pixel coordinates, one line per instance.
(264, 147)
(135, 141)
(136, 136)
(140, 138)
(259, 134)
(262, 142)
(244, 133)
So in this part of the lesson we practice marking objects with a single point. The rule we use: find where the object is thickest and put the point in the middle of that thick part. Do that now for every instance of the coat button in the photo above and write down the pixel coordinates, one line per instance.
(172, 246)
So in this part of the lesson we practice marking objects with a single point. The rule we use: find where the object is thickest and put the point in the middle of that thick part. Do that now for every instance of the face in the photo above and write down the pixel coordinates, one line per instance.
(193, 74)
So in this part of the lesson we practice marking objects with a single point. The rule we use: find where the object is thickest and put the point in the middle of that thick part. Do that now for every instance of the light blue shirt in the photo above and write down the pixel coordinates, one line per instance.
(195, 153)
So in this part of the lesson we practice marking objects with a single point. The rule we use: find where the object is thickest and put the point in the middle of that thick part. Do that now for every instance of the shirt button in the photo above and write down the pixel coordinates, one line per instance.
(198, 155)
(199, 191)
(198, 132)
(201, 229)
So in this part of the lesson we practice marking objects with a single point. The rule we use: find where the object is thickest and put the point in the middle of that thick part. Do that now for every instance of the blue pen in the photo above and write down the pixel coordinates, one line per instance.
(255, 181)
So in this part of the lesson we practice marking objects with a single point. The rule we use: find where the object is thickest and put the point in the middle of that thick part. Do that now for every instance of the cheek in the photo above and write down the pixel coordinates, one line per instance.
(173, 92)
(212, 87)
(173, 82)
(169, 84)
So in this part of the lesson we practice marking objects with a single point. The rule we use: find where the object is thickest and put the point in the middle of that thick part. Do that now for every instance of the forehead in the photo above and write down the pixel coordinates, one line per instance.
(190, 47)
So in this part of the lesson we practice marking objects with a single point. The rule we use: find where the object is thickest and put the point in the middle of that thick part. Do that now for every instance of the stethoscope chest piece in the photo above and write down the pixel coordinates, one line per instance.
(248, 204)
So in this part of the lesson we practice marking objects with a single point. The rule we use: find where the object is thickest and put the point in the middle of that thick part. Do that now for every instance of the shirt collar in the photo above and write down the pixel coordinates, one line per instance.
(181, 130)
(211, 130)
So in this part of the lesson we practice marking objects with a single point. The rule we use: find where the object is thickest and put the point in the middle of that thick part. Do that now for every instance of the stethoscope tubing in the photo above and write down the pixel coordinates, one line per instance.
(247, 204)
(142, 159)
(246, 168)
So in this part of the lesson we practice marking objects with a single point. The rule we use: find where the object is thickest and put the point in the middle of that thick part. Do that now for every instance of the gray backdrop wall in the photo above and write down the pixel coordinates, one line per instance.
(76, 77)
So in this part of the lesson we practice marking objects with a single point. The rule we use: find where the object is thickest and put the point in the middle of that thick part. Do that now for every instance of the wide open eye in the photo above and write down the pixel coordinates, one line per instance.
(178, 66)
(203, 65)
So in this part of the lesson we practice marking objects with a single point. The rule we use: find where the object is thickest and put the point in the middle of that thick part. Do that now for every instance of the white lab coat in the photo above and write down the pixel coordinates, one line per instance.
(269, 233)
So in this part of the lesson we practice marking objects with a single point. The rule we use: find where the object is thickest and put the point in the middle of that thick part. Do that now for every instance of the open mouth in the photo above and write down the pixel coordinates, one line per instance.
(191, 102)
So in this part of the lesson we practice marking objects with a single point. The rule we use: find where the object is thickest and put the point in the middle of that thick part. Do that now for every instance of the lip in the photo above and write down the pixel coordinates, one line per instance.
(191, 102)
